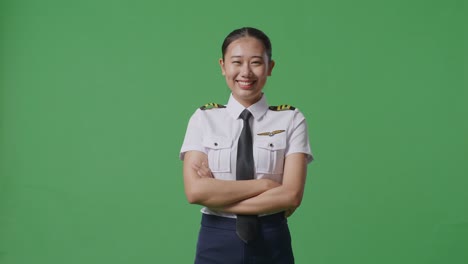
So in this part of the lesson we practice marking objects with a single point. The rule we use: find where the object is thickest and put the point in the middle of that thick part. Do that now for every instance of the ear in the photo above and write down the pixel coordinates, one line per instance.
(221, 64)
(271, 65)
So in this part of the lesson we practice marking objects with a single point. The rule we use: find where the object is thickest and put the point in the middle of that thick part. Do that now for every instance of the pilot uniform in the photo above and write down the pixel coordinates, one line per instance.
(277, 131)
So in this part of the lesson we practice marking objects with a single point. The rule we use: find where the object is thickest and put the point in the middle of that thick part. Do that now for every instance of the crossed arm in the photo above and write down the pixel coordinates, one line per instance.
(245, 197)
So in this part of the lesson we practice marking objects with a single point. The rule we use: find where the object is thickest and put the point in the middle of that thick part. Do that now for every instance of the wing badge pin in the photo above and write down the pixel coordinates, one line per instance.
(272, 133)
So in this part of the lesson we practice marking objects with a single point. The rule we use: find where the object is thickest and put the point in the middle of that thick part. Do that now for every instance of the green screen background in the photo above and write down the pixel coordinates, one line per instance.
(95, 97)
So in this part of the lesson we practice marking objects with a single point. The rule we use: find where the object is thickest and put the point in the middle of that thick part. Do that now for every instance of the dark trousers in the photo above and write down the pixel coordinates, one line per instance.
(218, 242)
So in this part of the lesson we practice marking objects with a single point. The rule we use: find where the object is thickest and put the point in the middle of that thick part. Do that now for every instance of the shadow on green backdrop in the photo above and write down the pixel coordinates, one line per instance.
(95, 97)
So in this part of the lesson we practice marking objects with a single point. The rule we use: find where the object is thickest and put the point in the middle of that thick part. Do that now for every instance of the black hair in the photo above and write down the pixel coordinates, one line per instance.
(247, 32)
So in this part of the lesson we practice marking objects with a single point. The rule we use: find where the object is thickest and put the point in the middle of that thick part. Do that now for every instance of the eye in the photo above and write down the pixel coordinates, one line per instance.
(257, 62)
(236, 62)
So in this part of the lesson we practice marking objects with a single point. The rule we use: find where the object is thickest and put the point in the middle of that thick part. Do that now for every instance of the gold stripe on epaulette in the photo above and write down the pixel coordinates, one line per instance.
(281, 107)
(211, 106)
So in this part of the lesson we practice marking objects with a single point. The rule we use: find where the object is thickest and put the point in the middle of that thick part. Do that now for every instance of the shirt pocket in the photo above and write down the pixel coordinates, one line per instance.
(219, 153)
(269, 154)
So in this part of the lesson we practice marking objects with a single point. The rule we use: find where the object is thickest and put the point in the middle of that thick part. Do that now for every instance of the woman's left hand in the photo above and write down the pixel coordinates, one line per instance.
(203, 170)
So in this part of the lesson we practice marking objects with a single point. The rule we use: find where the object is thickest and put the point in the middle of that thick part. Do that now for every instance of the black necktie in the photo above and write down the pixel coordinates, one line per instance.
(247, 225)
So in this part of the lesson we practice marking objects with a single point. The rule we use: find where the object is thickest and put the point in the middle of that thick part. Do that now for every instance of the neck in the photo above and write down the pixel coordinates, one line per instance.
(248, 102)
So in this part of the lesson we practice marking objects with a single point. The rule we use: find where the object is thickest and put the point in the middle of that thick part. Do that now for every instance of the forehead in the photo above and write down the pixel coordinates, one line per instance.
(246, 47)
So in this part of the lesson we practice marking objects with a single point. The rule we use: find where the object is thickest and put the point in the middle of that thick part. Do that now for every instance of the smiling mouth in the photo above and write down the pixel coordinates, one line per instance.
(245, 84)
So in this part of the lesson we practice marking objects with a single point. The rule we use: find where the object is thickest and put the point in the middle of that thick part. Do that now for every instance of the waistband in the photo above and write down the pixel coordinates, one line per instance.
(268, 221)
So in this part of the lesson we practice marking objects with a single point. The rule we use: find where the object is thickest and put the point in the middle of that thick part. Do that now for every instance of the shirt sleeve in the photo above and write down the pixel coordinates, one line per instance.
(298, 140)
(193, 136)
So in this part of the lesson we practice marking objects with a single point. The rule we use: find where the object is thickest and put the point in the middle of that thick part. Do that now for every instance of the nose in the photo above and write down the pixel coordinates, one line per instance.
(245, 70)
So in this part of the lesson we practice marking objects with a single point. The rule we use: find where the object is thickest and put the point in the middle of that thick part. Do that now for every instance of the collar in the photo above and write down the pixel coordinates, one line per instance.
(258, 109)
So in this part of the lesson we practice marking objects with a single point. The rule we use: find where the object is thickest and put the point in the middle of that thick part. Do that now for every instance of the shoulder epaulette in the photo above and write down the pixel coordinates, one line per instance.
(211, 106)
(281, 107)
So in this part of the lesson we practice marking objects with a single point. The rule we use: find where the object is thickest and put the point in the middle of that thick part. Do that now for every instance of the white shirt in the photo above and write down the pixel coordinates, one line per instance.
(216, 131)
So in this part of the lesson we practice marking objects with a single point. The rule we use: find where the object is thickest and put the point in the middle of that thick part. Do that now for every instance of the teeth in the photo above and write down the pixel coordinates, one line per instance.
(244, 83)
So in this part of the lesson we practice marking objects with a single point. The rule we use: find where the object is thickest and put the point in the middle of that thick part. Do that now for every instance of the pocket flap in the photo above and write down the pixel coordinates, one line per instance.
(271, 143)
(217, 142)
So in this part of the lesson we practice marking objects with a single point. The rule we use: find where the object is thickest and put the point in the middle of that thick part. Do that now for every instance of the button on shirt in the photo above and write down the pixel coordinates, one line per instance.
(275, 134)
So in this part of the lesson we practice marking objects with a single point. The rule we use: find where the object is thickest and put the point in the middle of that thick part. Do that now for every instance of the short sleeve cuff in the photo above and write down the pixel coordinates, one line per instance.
(308, 154)
(190, 148)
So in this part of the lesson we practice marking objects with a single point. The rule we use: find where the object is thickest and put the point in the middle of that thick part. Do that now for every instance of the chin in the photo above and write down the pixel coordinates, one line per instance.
(248, 92)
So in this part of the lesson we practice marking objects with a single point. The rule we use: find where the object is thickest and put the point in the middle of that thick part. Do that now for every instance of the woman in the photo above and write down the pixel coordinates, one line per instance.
(245, 162)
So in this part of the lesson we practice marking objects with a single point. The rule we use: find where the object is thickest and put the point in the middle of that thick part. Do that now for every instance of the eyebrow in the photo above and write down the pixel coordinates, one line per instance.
(242, 56)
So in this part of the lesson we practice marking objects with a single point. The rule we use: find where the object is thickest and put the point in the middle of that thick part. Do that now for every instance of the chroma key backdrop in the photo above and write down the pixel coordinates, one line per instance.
(95, 97)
